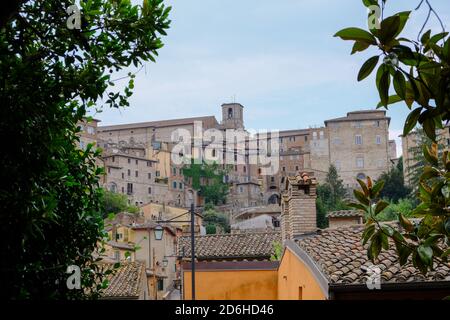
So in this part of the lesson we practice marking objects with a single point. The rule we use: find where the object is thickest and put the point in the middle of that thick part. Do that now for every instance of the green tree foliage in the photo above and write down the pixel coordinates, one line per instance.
(394, 184)
(417, 160)
(215, 221)
(330, 196)
(419, 72)
(114, 203)
(51, 75)
(277, 251)
(403, 206)
(208, 180)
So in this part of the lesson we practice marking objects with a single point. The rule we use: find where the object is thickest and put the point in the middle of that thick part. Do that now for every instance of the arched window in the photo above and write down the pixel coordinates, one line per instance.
(230, 113)
(273, 199)
(112, 187)
(361, 176)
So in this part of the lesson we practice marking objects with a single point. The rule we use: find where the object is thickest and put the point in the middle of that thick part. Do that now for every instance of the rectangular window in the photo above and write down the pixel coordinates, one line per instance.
(149, 190)
(337, 164)
(284, 169)
(149, 164)
(129, 172)
(174, 184)
(149, 175)
(358, 139)
(136, 174)
(123, 175)
(160, 284)
(129, 160)
(137, 162)
(129, 188)
(109, 170)
(380, 163)
(378, 140)
(157, 173)
(358, 124)
(360, 162)
(113, 159)
(123, 190)
(377, 123)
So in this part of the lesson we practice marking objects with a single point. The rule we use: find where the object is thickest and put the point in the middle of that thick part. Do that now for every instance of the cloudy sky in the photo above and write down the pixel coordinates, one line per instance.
(277, 58)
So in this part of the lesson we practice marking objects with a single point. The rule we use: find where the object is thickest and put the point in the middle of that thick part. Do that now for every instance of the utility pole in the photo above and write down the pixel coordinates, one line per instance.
(154, 276)
(193, 250)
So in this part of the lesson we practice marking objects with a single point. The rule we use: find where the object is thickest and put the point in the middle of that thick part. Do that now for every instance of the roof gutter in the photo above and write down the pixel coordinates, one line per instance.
(393, 286)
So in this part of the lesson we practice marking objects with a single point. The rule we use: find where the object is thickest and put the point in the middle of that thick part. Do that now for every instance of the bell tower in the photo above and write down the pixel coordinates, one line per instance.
(232, 116)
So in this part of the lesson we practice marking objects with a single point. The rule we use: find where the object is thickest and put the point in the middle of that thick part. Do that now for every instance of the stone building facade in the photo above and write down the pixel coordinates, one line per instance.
(357, 144)
(410, 148)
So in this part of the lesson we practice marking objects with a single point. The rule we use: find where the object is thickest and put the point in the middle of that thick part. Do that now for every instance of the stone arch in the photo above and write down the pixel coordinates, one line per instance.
(274, 199)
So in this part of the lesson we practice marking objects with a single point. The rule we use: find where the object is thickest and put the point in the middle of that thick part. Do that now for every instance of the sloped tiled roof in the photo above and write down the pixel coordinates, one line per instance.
(257, 245)
(126, 282)
(340, 256)
(345, 214)
(361, 115)
(158, 124)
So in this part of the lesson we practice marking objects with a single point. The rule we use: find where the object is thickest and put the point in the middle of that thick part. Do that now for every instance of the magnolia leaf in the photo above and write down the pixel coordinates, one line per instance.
(380, 206)
(368, 67)
(376, 189)
(361, 197)
(400, 84)
(425, 254)
(411, 121)
(357, 35)
(405, 223)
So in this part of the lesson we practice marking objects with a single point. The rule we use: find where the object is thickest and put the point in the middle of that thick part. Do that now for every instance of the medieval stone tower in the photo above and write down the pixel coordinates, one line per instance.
(232, 116)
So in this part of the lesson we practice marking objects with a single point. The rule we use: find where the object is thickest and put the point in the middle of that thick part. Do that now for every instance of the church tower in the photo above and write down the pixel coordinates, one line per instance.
(232, 116)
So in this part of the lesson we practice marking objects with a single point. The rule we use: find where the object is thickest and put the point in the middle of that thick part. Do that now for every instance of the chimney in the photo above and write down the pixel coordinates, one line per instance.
(299, 203)
(285, 221)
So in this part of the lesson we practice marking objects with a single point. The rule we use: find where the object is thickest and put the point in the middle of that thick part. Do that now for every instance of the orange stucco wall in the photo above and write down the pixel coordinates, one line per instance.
(232, 285)
(295, 280)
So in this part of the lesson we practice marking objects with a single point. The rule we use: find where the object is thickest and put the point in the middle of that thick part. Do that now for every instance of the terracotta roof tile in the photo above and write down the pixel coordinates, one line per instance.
(343, 248)
(345, 213)
(126, 281)
(256, 245)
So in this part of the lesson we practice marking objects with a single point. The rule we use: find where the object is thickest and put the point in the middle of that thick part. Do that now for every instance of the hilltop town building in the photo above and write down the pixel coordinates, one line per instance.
(358, 145)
